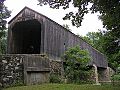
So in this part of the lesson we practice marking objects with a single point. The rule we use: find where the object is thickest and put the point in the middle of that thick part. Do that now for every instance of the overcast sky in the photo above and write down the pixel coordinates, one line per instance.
(89, 24)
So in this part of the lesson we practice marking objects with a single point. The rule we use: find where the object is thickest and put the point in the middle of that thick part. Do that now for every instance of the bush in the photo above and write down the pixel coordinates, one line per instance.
(116, 77)
(55, 78)
(116, 80)
(75, 66)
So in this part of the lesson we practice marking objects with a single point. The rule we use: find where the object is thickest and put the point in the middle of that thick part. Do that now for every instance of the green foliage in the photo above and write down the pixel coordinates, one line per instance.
(95, 39)
(116, 77)
(55, 78)
(4, 14)
(75, 67)
(17, 83)
(105, 43)
(64, 87)
(3, 44)
(114, 60)
(116, 80)
(109, 10)
(111, 48)
(118, 69)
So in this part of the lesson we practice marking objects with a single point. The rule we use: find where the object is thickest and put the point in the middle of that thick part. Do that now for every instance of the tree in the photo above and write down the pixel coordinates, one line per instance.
(4, 14)
(105, 43)
(96, 39)
(76, 61)
(104, 7)
(112, 49)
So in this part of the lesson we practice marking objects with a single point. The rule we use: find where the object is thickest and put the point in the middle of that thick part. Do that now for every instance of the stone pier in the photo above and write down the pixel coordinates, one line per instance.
(96, 74)
(101, 75)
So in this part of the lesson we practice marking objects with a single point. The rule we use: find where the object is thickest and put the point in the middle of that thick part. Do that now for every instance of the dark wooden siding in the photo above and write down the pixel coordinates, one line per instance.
(63, 39)
(56, 39)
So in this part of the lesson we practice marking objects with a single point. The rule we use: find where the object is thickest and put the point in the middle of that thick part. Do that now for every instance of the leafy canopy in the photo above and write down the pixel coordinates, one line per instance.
(107, 8)
(106, 43)
(96, 39)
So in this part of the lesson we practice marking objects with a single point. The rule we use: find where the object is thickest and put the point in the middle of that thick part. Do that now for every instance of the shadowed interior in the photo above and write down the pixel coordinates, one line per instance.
(26, 37)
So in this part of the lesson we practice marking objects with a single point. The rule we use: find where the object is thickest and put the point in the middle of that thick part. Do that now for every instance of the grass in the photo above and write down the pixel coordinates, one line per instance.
(64, 87)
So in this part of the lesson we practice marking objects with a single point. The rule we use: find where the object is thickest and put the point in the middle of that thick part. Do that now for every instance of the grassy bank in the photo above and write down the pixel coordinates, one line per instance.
(64, 87)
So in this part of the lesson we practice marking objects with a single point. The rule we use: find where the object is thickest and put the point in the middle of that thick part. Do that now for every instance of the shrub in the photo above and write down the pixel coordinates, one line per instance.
(55, 78)
(116, 80)
(75, 66)
(116, 77)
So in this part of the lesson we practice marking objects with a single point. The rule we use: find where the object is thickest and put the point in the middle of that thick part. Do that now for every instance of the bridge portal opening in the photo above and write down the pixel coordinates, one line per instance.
(26, 37)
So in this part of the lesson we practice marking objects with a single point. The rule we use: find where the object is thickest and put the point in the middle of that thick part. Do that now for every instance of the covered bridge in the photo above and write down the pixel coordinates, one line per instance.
(33, 33)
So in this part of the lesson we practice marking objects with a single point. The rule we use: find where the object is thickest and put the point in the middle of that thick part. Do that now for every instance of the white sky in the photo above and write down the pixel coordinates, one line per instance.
(89, 24)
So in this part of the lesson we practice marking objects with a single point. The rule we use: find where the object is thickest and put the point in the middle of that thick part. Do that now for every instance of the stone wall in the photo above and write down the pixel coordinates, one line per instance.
(11, 72)
(20, 69)
(23, 69)
(56, 67)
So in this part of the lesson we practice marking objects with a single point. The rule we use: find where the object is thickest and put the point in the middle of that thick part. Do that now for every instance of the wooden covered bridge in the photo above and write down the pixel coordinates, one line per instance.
(33, 33)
